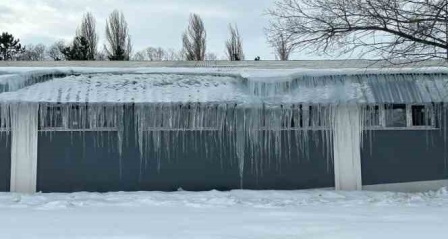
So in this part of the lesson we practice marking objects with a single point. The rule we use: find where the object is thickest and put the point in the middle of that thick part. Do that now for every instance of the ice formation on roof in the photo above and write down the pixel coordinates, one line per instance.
(255, 113)
(130, 88)
(157, 86)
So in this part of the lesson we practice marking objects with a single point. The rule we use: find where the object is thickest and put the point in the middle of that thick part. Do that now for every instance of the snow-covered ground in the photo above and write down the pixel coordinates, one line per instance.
(235, 214)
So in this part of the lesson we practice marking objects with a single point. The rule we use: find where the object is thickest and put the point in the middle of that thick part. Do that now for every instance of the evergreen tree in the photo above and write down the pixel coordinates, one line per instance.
(9, 47)
(78, 51)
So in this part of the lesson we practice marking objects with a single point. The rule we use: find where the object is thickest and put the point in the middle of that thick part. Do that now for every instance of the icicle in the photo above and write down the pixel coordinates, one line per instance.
(240, 142)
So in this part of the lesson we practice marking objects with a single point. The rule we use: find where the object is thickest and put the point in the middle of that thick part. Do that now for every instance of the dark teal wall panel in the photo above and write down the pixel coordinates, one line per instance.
(396, 156)
(90, 161)
(5, 161)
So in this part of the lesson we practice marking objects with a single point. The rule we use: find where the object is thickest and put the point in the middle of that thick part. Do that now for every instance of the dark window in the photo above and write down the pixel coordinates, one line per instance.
(319, 116)
(284, 117)
(396, 116)
(4, 124)
(297, 117)
(372, 117)
(273, 119)
(291, 118)
(53, 117)
(77, 118)
(105, 118)
(192, 116)
(421, 115)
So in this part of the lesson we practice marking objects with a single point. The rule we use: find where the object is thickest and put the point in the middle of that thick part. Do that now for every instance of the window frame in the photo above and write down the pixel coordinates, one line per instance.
(186, 111)
(65, 127)
(381, 117)
(432, 117)
(4, 126)
(409, 119)
(305, 122)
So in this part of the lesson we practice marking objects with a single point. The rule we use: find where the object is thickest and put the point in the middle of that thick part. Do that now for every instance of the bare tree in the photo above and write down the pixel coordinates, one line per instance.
(410, 29)
(119, 45)
(173, 55)
(88, 31)
(194, 39)
(155, 54)
(101, 55)
(282, 44)
(139, 56)
(33, 53)
(234, 46)
(39, 51)
(55, 51)
(158, 54)
(211, 56)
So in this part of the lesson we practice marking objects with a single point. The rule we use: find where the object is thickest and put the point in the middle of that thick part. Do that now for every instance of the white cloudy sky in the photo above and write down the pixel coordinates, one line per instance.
(157, 23)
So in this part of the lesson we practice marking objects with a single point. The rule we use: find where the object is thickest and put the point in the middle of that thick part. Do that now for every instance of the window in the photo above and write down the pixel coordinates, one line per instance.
(273, 118)
(401, 116)
(98, 117)
(182, 117)
(76, 118)
(318, 116)
(422, 115)
(285, 117)
(194, 116)
(4, 122)
(297, 117)
(373, 116)
(53, 117)
(396, 116)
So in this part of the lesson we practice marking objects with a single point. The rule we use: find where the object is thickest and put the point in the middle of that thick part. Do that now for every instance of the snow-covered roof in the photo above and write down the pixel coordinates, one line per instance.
(238, 85)
(131, 88)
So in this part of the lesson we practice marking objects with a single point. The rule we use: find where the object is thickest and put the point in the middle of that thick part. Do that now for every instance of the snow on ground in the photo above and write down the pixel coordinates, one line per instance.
(235, 214)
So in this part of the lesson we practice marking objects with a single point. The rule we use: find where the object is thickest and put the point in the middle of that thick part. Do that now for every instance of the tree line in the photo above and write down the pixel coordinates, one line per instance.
(118, 47)
(83, 47)
(413, 30)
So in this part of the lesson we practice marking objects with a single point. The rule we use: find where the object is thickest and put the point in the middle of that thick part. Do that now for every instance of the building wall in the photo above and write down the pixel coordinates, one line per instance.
(69, 162)
(90, 161)
(397, 156)
(193, 168)
(5, 161)
(74, 161)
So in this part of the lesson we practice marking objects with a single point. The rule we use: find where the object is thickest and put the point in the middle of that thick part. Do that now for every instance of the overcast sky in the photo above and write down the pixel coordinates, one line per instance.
(157, 23)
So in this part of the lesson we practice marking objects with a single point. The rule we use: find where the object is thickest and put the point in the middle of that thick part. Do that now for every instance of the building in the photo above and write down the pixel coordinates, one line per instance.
(67, 129)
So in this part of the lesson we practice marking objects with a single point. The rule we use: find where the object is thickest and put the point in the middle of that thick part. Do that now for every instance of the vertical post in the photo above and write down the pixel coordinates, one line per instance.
(24, 129)
(347, 133)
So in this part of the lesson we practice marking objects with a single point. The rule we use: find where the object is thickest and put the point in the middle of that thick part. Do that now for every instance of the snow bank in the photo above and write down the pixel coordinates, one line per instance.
(235, 214)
